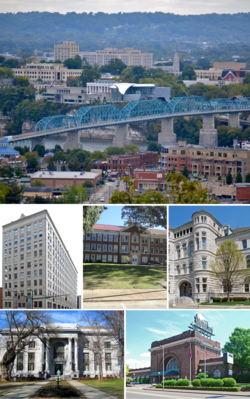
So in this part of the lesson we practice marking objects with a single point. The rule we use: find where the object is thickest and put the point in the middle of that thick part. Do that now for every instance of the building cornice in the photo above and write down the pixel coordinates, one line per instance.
(183, 341)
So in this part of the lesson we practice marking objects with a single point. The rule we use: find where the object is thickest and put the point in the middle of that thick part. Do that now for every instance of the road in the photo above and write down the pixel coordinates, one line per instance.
(106, 191)
(138, 393)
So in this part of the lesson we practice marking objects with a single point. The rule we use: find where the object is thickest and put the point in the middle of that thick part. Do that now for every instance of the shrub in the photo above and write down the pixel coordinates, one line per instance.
(216, 299)
(170, 382)
(129, 379)
(245, 377)
(229, 382)
(246, 387)
(158, 386)
(183, 383)
(202, 375)
(218, 383)
(196, 383)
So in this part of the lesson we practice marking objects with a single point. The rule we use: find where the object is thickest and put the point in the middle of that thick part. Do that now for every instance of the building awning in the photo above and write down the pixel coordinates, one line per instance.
(170, 372)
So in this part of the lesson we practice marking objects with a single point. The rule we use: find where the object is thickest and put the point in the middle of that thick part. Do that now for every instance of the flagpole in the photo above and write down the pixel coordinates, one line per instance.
(163, 366)
(205, 362)
(190, 361)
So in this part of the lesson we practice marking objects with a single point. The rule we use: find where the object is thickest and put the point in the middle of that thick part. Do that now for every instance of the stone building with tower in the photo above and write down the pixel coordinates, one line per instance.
(192, 247)
(194, 347)
(71, 350)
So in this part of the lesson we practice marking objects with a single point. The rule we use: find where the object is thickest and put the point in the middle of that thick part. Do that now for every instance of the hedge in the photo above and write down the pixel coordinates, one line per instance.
(229, 382)
(170, 382)
(183, 383)
(245, 377)
(232, 299)
(218, 383)
(196, 383)
(158, 386)
(235, 389)
(202, 375)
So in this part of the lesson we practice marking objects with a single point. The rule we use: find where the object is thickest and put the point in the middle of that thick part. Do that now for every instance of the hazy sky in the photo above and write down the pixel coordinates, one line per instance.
(113, 6)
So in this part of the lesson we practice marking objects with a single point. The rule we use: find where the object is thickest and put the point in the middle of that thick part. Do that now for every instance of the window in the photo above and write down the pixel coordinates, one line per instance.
(87, 247)
(115, 248)
(216, 374)
(20, 362)
(32, 344)
(173, 364)
(108, 361)
(104, 247)
(190, 248)
(93, 236)
(247, 284)
(93, 247)
(204, 263)
(99, 237)
(203, 241)
(124, 238)
(35, 225)
(99, 247)
(40, 243)
(86, 360)
(40, 224)
(244, 244)
(110, 237)
(28, 237)
(35, 234)
(105, 237)
(88, 236)
(178, 252)
(184, 248)
(110, 248)
(31, 361)
(40, 233)
(115, 238)
(124, 248)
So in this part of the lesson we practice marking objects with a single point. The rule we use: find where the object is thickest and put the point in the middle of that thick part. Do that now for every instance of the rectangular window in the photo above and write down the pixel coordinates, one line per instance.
(104, 258)
(109, 258)
(88, 236)
(110, 248)
(115, 238)
(35, 234)
(105, 237)
(204, 263)
(93, 247)
(99, 237)
(203, 243)
(124, 238)
(20, 362)
(108, 361)
(40, 243)
(93, 236)
(244, 244)
(99, 247)
(40, 233)
(28, 228)
(28, 237)
(35, 225)
(87, 247)
(31, 361)
(124, 248)
(40, 224)
(115, 248)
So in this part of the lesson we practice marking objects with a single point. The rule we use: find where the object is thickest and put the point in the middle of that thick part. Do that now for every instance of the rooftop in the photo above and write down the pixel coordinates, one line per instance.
(118, 228)
(64, 175)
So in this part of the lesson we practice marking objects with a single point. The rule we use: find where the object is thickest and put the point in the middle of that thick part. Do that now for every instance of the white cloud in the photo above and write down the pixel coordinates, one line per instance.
(147, 354)
(127, 352)
(135, 363)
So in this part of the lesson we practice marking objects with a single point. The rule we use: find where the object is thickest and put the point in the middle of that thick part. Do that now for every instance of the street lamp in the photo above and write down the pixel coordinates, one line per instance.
(162, 346)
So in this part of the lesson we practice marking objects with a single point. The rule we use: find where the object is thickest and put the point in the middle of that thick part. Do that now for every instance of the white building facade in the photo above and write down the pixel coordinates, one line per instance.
(36, 264)
(46, 72)
(71, 350)
(63, 52)
(192, 247)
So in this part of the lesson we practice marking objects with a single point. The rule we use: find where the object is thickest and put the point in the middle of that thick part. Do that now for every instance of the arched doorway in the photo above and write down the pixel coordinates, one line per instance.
(186, 289)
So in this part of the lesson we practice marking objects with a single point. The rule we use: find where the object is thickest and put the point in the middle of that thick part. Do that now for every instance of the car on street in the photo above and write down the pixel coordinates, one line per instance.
(102, 199)
(154, 262)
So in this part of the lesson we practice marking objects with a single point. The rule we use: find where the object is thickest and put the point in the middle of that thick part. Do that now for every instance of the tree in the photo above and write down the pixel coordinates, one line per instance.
(239, 346)
(247, 178)
(18, 171)
(88, 184)
(88, 75)
(51, 165)
(115, 66)
(127, 370)
(98, 155)
(229, 177)
(11, 193)
(37, 183)
(73, 63)
(32, 160)
(91, 214)
(6, 172)
(75, 195)
(228, 265)
(21, 81)
(11, 63)
(74, 164)
(185, 172)
(18, 329)
(179, 191)
(154, 147)
(115, 150)
(147, 216)
(40, 149)
(131, 147)
(238, 178)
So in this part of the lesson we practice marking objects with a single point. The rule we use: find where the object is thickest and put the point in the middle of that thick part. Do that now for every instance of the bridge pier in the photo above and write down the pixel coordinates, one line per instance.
(167, 134)
(73, 141)
(208, 133)
(37, 140)
(234, 120)
(121, 137)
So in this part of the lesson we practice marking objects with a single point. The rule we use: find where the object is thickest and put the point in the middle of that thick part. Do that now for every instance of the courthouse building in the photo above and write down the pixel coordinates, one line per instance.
(119, 244)
(36, 263)
(192, 247)
(173, 355)
(72, 350)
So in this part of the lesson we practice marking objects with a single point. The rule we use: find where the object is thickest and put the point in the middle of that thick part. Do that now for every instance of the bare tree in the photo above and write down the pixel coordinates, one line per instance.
(19, 328)
(114, 321)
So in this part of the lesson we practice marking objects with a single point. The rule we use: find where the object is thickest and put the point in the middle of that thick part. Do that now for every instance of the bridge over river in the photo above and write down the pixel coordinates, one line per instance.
(137, 111)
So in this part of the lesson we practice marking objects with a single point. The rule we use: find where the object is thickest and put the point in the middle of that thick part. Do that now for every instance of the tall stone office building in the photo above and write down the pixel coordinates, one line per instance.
(36, 263)
(65, 51)
(192, 247)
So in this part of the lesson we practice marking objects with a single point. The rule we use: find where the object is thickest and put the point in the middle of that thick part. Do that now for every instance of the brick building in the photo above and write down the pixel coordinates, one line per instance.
(114, 244)
(209, 162)
(150, 179)
(177, 353)
(242, 192)
(129, 162)
(66, 179)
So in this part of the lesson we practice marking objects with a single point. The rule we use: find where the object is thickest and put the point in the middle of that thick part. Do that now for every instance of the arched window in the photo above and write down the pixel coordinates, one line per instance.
(178, 252)
(216, 373)
(248, 261)
(184, 249)
(190, 267)
(184, 268)
(178, 269)
(59, 351)
(190, 248)
(247, 284)
(173, 364)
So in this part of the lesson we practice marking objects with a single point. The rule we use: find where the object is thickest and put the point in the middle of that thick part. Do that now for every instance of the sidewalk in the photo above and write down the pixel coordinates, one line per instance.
(154, 304)
(124, 295)
(25, 391)
(90, 392)
(212, 393)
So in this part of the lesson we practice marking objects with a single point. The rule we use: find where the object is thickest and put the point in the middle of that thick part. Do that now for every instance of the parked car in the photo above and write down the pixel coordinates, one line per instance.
(102, 199)
(154, 262)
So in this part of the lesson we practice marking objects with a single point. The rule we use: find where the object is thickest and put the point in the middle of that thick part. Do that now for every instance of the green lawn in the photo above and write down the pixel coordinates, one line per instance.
(105, 276)
(245, 303)
(112, 387)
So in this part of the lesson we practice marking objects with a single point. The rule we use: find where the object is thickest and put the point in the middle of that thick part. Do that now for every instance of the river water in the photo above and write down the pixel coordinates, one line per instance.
(90, 144)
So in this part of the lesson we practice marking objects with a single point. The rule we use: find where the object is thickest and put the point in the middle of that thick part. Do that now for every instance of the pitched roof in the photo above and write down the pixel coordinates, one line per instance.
(239, 229)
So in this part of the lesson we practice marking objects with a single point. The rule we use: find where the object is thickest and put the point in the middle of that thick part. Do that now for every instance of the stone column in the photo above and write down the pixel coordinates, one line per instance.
(167, 134)
(73, 141)
(47, 368)
(234, 120)
(76, 355)
(25, 363)
(42, 356)
(70, 354)
(208, 134)
(121, 136)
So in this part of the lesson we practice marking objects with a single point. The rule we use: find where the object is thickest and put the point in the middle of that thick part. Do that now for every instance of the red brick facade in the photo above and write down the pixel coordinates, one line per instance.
(150, 179)
(129, 162)
(243, 193)
(116, 244)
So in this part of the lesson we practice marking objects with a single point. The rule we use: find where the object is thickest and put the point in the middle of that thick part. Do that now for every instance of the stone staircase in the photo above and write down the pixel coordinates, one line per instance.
(184, 299)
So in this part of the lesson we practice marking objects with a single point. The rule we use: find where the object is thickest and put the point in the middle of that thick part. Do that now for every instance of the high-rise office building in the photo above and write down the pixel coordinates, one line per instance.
(37, 269)
(66, 50)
